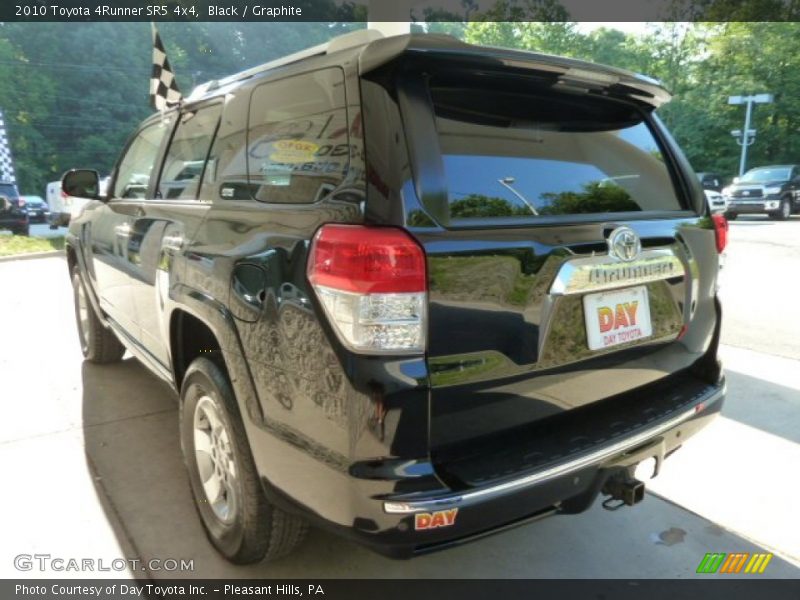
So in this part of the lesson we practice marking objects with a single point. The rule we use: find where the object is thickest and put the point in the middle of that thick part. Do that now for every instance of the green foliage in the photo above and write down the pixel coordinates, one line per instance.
(12, 245)
(596, 197)
(480, 206)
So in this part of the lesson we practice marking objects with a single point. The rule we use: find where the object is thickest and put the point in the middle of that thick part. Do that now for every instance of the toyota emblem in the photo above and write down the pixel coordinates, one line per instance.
(624, 244)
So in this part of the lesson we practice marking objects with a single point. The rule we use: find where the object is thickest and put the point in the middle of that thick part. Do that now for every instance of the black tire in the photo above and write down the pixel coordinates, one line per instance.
(254, 529)
(98, 344)
(731, 216)
(784, 211)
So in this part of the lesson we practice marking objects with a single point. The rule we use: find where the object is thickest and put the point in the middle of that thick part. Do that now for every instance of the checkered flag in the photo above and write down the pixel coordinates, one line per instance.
(7, 174)
(164, 91)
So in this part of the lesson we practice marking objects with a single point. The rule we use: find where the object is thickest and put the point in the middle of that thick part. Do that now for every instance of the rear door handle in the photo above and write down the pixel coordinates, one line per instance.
(172, 242)
(123, 230)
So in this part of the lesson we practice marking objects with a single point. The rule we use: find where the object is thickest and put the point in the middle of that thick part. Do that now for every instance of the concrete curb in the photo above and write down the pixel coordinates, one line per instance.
(32, 255)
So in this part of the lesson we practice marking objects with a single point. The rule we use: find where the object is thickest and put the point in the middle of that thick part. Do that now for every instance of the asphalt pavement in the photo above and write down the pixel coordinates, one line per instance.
(92, 465)
(42, 230)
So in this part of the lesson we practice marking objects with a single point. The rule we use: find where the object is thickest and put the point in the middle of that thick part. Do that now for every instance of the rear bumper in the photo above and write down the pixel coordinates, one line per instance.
(595, 458)
(404, 525)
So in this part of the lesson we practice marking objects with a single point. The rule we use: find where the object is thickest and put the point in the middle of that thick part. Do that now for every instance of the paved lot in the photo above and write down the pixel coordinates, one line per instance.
(92, 465)
(42, 230)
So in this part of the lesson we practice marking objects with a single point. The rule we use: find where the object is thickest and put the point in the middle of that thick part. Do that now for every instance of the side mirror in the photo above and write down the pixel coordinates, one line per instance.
(81, 183)
(736, 180)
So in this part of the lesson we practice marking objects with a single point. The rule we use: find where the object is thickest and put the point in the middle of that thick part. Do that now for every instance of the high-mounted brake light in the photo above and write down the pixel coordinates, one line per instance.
(720, 231)
(371, 282)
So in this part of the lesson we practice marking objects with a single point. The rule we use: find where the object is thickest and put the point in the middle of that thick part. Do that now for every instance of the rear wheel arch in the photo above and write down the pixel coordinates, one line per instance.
(189, 338)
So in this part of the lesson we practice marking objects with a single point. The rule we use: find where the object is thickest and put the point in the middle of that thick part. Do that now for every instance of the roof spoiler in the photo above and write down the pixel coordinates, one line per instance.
(569, 73)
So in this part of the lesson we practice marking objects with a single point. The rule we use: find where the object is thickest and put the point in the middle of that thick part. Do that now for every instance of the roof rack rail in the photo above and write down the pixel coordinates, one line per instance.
(352, 39)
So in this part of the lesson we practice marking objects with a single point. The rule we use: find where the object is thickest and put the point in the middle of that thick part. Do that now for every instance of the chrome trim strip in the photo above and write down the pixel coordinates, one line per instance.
(469, 498)
(603, 272)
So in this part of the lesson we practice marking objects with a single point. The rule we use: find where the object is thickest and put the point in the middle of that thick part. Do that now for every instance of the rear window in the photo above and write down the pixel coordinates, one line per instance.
(515, 153)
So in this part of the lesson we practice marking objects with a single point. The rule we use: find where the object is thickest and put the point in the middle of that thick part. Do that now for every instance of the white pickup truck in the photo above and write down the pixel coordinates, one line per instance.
(63, 206)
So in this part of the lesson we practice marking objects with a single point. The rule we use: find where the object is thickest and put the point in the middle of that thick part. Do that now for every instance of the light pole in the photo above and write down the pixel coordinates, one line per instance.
(507, 182)
(746, 137)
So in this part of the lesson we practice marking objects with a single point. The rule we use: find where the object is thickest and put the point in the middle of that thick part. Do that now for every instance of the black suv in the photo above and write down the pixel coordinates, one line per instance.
(408, 289)
(774, 191)
(13, 215)
(710, 181)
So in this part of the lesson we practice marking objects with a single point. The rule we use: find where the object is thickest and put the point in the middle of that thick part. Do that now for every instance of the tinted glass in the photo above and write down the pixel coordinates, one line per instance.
(298, 148)
(136, 167)
(188, 150)
(510, 152)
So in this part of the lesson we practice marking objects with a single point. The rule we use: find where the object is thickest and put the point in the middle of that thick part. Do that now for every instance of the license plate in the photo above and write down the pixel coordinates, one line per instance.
(617, 317)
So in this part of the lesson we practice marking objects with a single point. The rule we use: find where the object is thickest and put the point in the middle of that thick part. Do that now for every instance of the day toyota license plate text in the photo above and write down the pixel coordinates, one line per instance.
(617, 317)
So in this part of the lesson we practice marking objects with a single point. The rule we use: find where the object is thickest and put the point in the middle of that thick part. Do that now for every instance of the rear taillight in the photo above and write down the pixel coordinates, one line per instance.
(371, 282)
(721, 231)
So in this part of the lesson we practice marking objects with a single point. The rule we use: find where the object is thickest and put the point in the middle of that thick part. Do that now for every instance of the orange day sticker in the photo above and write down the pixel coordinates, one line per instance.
(436, 519)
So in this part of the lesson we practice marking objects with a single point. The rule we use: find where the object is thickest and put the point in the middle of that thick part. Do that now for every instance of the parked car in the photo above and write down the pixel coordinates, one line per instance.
(37, 209)
(418, 292)
(716, 202)
(773, 190)
(13, 216)
(711, 181)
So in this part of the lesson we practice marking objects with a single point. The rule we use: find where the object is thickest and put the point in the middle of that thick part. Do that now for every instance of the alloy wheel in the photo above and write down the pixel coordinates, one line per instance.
(215, 461)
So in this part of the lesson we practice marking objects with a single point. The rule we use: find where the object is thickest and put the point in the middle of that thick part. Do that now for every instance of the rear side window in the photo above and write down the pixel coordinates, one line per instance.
(298, 145)
(136, 166)
(512, 152)
(187, 154)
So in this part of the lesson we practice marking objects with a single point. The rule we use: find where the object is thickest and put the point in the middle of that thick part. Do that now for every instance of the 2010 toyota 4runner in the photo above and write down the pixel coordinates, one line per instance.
(408, 289)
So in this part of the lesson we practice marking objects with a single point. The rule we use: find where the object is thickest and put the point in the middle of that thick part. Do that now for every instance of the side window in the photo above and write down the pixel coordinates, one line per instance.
(136, 166)
(187, 154)
(298, 144)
